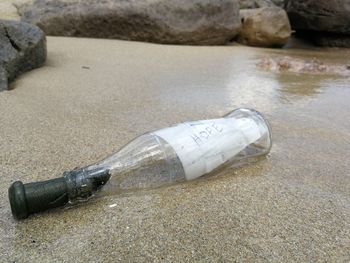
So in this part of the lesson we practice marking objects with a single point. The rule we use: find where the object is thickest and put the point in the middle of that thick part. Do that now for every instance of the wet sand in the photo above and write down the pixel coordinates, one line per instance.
(93, 96)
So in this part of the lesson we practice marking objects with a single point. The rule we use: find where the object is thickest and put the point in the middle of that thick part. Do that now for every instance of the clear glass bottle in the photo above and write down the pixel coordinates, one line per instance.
(182, 152)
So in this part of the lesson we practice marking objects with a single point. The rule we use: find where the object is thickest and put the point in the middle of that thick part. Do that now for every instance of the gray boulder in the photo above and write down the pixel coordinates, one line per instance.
(3, 78)
(264, 27)
(327, 22)
(196, 22)
(22, 47)
(320, 15)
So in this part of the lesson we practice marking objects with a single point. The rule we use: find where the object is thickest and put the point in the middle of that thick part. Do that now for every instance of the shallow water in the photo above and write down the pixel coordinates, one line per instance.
(93, 96)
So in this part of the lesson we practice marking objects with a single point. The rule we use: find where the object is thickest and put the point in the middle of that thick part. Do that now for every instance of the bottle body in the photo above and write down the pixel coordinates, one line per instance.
(148, 161)
(187, 151)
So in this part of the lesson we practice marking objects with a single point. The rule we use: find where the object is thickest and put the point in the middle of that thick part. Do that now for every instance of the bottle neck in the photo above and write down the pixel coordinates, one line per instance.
(82, 183)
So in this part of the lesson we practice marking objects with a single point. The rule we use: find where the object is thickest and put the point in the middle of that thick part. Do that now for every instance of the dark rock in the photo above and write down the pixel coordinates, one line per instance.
(264, 27)
(319, 15)
(22, 47)
(332, 40)
(326, 23)
(196, 22)
(325, 39)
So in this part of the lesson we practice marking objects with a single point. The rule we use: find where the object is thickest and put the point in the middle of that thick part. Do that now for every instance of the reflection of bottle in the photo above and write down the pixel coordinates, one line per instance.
(182, 152)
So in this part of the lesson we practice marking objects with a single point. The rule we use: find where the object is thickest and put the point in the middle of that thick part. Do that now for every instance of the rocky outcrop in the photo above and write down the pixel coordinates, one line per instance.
(264, 27)
(326, 21)
(197, 22)
(22, 47)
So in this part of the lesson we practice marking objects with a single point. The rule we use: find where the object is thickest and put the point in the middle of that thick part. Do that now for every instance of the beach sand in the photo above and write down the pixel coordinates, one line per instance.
(93, 96)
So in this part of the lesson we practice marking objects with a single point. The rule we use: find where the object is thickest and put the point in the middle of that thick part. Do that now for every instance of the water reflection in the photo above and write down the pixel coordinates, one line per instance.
(294, 86)
(219, 80)
(252, 88)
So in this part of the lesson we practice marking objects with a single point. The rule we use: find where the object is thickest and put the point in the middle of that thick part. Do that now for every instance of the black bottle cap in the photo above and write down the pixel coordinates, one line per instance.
(18, 202)
(26, 199)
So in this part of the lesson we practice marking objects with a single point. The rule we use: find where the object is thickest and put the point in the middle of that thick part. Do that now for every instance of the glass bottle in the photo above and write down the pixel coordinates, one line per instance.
(182, 152)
